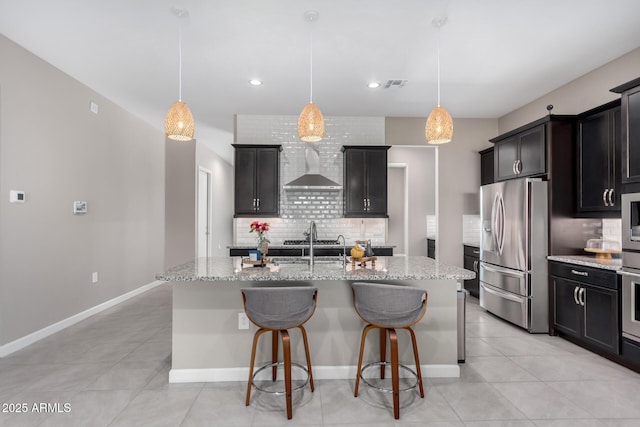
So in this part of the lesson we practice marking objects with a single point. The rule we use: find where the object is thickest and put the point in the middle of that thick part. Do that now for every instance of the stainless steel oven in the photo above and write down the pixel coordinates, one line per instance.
(630, 271)
(630, 304)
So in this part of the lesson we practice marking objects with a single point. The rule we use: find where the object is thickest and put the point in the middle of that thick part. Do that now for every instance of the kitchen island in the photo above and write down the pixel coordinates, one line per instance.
(208, 346)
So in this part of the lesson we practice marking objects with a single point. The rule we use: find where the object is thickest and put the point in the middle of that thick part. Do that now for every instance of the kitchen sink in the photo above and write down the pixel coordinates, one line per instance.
(305, 260)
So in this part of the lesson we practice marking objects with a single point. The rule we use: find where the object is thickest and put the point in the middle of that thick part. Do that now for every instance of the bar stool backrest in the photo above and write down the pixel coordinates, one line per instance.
(389, 306)
(281, 307)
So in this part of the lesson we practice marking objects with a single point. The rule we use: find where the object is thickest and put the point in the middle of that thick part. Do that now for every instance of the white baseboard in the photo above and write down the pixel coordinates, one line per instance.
(27, 340)
(319, 373)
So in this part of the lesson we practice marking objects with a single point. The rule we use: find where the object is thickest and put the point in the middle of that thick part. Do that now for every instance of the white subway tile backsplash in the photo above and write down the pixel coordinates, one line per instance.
(612, 229)
(471, 229)
(297, 208)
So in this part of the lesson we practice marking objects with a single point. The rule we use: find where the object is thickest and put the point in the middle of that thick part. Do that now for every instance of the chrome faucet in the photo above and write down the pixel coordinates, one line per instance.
(312, 236)
(344, 250)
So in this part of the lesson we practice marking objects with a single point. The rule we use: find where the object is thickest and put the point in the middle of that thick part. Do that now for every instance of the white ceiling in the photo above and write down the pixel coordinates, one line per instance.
(496, 55)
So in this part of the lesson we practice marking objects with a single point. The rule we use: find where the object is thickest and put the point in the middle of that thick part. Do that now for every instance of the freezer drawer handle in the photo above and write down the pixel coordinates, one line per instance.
(503, 295)
(580, 273)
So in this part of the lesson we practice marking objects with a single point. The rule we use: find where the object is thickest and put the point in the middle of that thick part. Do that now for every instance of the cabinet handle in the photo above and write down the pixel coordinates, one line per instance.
(581, 296)
(518, 167)
(254, 204)
(604, 197)
(368, 204)
(611, 203)
(364, 203)
(476, 252)
(475, 266)
(575, 295)
(257, 204)
(513, 167)
(580, 273)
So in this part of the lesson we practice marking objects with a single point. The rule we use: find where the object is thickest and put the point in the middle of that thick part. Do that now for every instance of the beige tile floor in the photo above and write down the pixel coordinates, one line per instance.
(112, 369)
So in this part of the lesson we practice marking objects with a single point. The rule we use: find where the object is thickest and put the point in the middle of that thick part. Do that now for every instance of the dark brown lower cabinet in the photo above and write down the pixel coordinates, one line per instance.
(585, 305)
(471, 262)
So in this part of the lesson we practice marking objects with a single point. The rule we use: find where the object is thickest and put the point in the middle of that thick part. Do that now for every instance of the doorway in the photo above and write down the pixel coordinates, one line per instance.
(398, 207)
(204, 213)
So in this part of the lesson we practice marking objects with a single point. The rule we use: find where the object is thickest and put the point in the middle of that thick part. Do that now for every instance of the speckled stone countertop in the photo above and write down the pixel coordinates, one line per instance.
(589, 261)
(473, 243)
(304, 246)
(386, 268)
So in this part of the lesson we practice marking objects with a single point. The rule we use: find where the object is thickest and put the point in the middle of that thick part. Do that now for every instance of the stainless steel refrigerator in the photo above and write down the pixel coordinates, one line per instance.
(513, 252)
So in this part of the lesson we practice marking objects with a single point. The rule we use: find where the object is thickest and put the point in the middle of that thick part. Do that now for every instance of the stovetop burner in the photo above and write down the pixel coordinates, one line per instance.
(315, 242)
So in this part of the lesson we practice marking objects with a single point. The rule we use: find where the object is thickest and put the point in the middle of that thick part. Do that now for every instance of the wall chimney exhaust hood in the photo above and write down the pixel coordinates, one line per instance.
(312, 180)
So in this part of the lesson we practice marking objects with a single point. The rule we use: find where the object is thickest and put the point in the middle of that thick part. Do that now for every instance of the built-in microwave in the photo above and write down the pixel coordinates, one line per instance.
(631, 222)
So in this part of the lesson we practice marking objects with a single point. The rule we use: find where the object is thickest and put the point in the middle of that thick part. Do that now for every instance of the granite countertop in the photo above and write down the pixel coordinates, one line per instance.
(386, 268)
(304, 246)
(475, 243)
(589, 261)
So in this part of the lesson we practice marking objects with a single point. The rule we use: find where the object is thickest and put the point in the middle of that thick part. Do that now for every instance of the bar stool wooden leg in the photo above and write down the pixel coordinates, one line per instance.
(417, 359)
(383, 351)
(395, 380)
(253, 361)
(306, 352)
(274, 354)
(365, 331)
(286, 350)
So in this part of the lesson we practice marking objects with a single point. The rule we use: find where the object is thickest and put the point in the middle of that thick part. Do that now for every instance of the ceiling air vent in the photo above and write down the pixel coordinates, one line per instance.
(395, 84)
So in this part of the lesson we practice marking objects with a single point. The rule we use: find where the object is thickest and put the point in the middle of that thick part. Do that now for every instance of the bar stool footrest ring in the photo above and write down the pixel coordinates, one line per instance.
(278, 392)
(388, 390)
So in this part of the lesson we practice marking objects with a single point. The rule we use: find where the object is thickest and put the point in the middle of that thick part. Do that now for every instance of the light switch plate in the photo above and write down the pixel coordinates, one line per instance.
(17, 196)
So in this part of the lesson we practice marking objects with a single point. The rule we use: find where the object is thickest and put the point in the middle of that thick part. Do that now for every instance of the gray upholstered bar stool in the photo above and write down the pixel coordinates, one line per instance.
(387, 308)
(275, 310)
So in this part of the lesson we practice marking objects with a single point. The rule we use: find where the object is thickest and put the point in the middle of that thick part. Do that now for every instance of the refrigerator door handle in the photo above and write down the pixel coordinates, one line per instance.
(501, 223)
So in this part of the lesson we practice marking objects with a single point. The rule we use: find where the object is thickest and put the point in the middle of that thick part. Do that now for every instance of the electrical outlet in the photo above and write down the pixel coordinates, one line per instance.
(243, 321)
(94, 277)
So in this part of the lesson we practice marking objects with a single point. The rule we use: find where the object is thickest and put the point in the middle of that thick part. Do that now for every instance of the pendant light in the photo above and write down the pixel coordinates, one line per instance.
(178, 124)
(311, 122)
(439, 126)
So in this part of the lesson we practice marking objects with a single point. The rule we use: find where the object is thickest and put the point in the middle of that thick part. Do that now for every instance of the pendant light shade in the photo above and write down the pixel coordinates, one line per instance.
(311, 122)
(439, 126)
(178, 123)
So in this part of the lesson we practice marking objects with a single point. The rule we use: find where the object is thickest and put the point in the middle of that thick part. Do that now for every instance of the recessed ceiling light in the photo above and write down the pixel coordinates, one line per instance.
(255, 82)
(373, 85)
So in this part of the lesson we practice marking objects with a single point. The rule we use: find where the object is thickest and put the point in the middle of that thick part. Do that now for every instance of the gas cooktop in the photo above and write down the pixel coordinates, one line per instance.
(315, 242)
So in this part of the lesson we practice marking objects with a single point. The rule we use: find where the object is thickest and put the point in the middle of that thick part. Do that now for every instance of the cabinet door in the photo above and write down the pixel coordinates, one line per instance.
(505, 156)
(354, 182)
(245, 180)
(594, 162)
(600, 317)
(631, 135)
(616, 124)
(567, 312)
(486, 167)
(472, 285)
(376, 182)
(267, 188)
(532, 152)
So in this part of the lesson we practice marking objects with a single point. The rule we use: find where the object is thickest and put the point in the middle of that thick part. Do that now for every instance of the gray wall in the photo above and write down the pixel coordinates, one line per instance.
(57, 151)
(581, 94)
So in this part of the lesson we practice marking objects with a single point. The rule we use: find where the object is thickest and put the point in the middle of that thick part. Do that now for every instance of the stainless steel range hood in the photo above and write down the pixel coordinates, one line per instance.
(312, 180)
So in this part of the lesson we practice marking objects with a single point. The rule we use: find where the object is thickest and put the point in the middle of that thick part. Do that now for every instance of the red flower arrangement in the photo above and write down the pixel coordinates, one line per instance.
(260, 228)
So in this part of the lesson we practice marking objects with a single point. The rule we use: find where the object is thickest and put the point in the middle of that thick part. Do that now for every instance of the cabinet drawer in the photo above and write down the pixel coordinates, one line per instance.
(584, 274)
(472, 251)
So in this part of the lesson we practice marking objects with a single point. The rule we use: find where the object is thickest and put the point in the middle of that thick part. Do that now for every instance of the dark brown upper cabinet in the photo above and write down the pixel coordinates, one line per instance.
(630, 115)
(257, 184)
(365, 180)
(599, 160)
(521, 154)
(486, 166)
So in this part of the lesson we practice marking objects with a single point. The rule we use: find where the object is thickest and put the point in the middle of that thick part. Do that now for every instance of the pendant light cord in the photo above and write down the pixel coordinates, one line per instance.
(438, 65)
(180, 62)
(311, 67)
